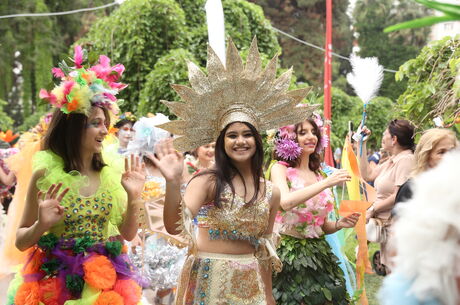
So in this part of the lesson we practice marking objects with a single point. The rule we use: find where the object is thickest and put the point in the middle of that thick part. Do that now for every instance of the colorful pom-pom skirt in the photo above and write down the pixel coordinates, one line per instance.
(214, 278)
(76, 272)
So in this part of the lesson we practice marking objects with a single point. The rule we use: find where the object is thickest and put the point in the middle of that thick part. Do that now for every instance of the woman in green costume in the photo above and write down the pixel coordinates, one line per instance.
(310, 272)
(79, 203)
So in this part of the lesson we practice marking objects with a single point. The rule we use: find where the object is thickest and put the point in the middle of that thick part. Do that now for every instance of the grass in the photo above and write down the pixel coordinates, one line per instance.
(373, 283)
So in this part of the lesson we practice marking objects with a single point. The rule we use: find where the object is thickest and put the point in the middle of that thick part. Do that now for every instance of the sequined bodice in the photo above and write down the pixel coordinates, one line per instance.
(85, 216)
(236, 220)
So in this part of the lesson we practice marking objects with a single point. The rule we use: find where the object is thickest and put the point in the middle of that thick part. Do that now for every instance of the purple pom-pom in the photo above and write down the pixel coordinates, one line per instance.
(287, 149)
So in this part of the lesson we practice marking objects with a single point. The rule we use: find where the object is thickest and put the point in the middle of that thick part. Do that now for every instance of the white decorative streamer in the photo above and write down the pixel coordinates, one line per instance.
(216, 27)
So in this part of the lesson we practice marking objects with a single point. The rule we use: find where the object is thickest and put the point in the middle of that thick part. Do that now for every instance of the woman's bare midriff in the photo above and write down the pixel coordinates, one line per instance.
(222, 246)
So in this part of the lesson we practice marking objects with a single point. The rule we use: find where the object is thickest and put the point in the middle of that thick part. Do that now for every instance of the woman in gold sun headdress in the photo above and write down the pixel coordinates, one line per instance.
(231, 257)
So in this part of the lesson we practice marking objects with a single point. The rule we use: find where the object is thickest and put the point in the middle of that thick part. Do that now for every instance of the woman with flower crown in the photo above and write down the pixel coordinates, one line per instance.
(78, 202)
(310, 274)
(231, 256)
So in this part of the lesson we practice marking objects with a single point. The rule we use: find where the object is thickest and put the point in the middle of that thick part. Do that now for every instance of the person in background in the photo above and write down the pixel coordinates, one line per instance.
(431, 148)
(125, 131)
(426, 238)
(398, 140)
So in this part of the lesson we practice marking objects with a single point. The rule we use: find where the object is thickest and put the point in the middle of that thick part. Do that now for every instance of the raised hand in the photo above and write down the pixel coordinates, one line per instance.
(50, 210)
(133, 179)
(338, 177)
(169, 161)
(348, 221)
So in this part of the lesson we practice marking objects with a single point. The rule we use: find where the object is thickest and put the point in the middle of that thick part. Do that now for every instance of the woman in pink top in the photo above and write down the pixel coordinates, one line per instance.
(310, 272)
(398, 140)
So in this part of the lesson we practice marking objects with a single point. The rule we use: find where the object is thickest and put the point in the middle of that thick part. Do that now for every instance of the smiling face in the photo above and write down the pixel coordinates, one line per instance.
(95, 131)
(125, 134)
(306, 137)
(239, 142)
(205, 153)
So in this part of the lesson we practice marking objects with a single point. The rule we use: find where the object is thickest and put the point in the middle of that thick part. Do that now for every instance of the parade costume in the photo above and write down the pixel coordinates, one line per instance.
(311, 274)
(161, 256)
(426, 237)
(80, 260)
(21, 164)
(231, 93)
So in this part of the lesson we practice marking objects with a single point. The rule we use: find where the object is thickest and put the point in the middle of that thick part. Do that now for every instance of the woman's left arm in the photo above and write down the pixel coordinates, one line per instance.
(133, 180)
(266, 272)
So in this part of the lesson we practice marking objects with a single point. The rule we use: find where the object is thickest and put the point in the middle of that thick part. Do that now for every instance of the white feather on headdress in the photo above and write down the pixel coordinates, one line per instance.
(147, 134)
(366, 77)
(427, 233)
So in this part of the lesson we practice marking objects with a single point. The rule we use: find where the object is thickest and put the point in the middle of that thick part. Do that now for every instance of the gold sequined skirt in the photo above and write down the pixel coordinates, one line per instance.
(220, 279)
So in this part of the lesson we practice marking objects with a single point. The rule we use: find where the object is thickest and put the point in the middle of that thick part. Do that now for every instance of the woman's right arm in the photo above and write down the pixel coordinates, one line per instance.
(171, 165)
(39, 215)
(290, 200)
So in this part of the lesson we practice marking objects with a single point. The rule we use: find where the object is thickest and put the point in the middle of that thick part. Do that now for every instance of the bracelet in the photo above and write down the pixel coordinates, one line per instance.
(336, 222)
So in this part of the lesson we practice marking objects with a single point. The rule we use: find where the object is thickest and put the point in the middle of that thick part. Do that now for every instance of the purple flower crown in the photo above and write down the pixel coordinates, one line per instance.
(286, 146)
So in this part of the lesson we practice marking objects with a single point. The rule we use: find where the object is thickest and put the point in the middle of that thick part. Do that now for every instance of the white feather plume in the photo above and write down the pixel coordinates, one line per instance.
(427, 233)
(366, 77)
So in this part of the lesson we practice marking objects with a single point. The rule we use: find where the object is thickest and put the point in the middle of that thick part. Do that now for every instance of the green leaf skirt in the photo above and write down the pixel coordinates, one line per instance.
(311, 274)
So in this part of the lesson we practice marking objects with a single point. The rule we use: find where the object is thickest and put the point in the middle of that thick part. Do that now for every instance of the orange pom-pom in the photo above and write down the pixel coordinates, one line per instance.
(129, 290)
(49, 291)
(35, 260)
(27, 294)
(109, 298)
(124, 249)
(99, 272)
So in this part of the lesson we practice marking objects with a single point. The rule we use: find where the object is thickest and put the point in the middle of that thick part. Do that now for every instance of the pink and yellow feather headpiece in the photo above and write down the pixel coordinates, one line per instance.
(81, 88)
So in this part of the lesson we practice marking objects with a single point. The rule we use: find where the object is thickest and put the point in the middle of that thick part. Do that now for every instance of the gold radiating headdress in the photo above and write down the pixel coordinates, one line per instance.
(234, 93)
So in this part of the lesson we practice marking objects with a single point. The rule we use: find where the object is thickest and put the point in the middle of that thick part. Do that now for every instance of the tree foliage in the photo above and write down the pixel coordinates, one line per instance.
(349, 108)
(35, 44)
(392, 49)
(5, 121)
(145, 35)
(433, 83)
(306, 20)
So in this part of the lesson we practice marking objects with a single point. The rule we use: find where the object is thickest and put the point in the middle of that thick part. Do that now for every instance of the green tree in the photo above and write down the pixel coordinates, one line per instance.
(145, 35)
(306, 20)
(35, 44)
(349, 108)
(432, 84)
(392, 49)
(5, 121)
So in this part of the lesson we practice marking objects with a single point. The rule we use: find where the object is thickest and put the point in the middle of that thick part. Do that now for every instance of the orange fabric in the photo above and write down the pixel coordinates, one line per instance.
(99, 272)
(28, 294)
(21, 165)
(109, 298)
(361, 195)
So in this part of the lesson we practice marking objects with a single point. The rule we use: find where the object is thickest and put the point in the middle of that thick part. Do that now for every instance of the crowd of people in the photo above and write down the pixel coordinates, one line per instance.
(116, 209)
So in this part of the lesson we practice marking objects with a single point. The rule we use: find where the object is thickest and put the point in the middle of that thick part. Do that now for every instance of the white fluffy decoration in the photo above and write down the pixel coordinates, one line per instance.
(366, 77)
(147, 134)
(427, 233)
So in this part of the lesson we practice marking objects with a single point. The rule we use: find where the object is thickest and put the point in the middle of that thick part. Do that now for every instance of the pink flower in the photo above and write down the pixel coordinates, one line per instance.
(57, 72)
(287, 132)
(287, 149)
(329, 207)
(306, 217)
(318, 220)
(78, 57)
(48, 96)
(279, 217)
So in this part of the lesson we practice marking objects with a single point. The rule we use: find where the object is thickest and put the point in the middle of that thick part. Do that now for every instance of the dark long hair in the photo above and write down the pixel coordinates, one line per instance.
(404, 132)
(224, 170)
(314, 162)
(64, 138)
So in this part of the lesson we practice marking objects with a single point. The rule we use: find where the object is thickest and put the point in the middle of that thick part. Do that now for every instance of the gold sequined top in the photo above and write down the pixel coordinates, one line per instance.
(236, 220)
